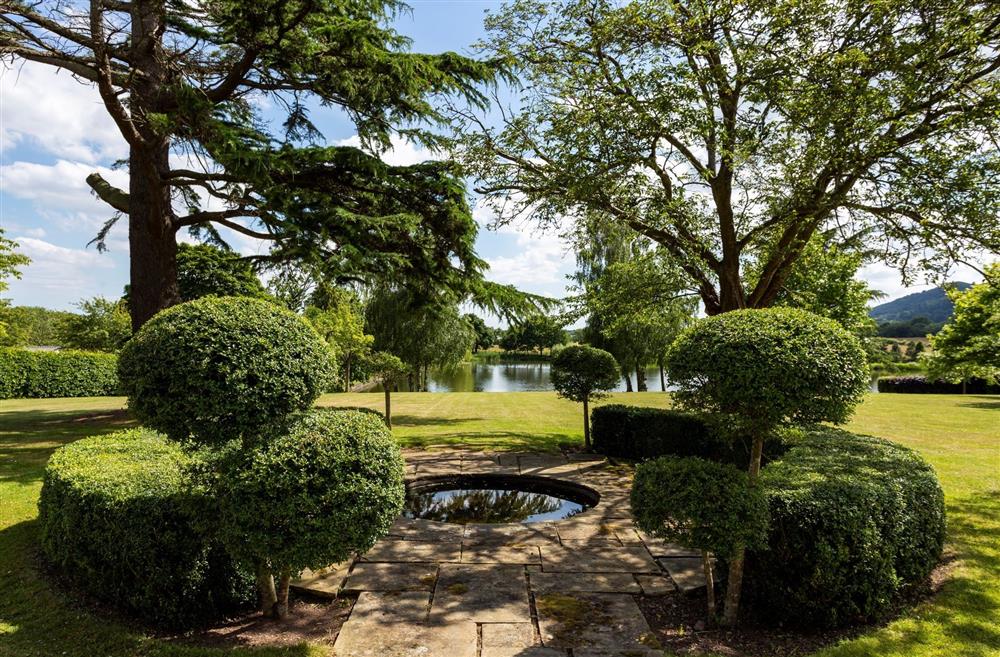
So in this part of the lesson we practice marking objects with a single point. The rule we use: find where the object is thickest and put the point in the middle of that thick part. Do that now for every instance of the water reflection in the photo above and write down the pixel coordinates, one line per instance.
(488, 506)
(515, 377)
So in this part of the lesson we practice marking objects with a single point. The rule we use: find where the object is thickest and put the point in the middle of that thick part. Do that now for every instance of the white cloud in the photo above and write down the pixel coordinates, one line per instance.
(402, 153)
(44, 107)
(59, 186)
(58, 276)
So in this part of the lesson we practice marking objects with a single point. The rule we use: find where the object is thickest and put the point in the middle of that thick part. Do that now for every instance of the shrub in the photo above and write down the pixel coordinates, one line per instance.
(36, 374)
(755, 372)
(758, 369)
(581, 373)
(328, 488)
(220, 368)
(699, 504)
(856, 522)
(119, 520)
(923, 385)
(638, 433)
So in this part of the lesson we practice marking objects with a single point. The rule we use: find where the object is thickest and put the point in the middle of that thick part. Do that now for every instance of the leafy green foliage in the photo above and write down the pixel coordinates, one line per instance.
(341, 323)
(856, 523)
(31, 325)
(969, 344)
(221, 368)
(36, 374)
(638, 433)
(581, 373)
(420, 334)
(102, 325)
(534, 332)
(928, 386)
(725, 143)
(325, 489)
(699, 504)
(207, 270)
(486, 337)
(823, 281)
(120, 520)
(10, 267)
(755, 370)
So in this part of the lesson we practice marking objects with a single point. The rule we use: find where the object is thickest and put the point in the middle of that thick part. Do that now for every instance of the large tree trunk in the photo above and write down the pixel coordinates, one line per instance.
(151, 229)
(734, 585)
(706, 563)
(663, 379)
(640, 377)
(628, 379)
(281, 606)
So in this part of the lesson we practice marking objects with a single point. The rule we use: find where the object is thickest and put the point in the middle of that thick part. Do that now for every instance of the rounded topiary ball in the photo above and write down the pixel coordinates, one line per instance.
(760, 369)
(327, 488)
(221, 368)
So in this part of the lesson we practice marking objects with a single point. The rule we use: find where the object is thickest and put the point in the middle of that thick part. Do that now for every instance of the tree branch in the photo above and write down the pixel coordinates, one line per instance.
(108, 193)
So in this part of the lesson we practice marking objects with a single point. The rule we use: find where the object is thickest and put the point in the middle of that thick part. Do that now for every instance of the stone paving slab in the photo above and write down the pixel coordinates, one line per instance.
(512, 534)
(594, 621)
(507, 638)
(594, 559)
(688, 573)
(406, 640)
(481, 593)
(426, 531)
(369, 576)
(530, 651)
(325, 582)
(401, 551)
(655, 585)
(543, 583)
(523, 555)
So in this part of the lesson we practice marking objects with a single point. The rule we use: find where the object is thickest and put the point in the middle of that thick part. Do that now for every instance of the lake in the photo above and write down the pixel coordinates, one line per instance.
(510, 377)
(505, 377)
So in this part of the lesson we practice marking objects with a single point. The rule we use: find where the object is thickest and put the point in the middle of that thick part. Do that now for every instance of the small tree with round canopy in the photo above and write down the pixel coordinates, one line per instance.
(581, 373)
(324, 489)
(702, 505)
(387, 369)
(220, 368)
(755, 371)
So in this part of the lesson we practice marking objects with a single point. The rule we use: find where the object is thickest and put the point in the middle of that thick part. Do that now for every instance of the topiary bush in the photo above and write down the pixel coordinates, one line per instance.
(581, 374)
(317, 494)
(638, 433)
(120, 520)
(700, 504)
(923, 385)
(221, 368)
(856, 523)
(35, 374)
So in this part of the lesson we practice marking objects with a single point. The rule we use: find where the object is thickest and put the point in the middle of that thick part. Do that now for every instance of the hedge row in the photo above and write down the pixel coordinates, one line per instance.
(856, 522)
(921, 384)
(638, 433)
(119, 521)
(36, 374)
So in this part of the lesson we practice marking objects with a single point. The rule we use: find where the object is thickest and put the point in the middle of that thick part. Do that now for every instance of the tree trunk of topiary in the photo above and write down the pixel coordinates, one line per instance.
(735, 583)
(663, 379)
(265, 587)
(706, 562)
(388, 405)
(281, 605)
(586, 426)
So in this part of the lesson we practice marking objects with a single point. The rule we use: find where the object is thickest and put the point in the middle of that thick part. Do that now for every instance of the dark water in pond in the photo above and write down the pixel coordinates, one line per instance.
(488, 505)
(511, 377)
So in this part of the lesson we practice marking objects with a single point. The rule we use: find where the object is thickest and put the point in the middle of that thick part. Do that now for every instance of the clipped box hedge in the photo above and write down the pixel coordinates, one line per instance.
(856, 523)
(923, 385)
(638, 433)
(35, 374)
(119, 521)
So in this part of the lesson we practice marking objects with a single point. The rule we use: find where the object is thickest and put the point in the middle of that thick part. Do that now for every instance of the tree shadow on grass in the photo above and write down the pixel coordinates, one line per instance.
(989, 402)
(41, 619)
(496, 441)
(403, 420)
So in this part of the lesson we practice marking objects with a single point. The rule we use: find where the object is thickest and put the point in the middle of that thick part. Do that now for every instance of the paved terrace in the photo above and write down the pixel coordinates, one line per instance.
(553, 589)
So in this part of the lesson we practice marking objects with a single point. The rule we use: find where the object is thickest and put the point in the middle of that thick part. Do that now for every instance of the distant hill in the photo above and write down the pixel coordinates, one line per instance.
(932, 304)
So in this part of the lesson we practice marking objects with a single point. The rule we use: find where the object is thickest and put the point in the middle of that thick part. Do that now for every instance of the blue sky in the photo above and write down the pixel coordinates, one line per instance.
(54, 132)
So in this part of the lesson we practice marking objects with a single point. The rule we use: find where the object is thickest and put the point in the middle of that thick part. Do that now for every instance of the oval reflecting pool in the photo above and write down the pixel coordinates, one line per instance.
(493, 499)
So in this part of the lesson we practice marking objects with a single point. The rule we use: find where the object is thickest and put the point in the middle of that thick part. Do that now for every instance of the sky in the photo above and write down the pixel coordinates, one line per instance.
(54, 132)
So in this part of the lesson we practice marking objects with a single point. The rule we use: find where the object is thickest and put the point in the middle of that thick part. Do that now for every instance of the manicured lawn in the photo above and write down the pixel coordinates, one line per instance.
(959, 435)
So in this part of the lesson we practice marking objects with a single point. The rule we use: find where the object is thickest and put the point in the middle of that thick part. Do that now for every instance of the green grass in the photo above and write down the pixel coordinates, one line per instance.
(959, 435)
